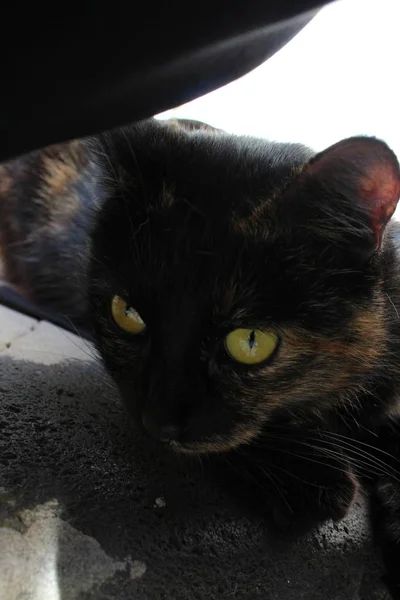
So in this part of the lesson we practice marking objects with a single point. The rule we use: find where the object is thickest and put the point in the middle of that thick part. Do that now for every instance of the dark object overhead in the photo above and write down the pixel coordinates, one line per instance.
(86, 67)
(89, 67)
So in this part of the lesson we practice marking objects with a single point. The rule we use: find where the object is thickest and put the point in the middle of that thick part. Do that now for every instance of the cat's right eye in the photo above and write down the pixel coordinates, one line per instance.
(126, 317)
(251, 346)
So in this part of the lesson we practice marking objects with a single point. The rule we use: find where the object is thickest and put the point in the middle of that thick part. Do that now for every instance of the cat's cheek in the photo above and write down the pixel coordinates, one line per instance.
(132, 398)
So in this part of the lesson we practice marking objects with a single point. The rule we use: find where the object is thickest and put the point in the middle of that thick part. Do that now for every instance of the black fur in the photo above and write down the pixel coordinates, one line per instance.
(202, 232)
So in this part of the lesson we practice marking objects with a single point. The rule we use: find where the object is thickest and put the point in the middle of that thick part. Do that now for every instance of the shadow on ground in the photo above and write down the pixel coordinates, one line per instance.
(93, 509)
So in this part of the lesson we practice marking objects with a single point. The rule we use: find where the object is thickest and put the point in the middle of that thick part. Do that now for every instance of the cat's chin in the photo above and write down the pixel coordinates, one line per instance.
(206, 447)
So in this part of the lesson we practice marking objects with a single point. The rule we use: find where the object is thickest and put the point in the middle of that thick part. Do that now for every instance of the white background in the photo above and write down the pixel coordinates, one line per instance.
(340, 76)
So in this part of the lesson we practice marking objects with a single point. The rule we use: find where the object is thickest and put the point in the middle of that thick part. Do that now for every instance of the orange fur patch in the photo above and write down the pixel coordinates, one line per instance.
(6, 182)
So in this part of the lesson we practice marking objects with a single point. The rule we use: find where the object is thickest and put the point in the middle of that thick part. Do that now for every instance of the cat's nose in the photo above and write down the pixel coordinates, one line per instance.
(164, 432)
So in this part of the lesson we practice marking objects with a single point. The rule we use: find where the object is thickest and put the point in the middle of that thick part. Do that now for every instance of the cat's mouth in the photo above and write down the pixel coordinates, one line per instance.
(204, 447)
(195, 447)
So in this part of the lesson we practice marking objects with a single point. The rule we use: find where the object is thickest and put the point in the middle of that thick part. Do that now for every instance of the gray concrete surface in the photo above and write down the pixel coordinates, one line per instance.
(91, 511)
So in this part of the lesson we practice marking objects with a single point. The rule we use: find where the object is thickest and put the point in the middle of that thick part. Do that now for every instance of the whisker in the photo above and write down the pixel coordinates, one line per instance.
(349, 440)
(201, 464)
(392, 303)
(367, 465)
(90, 349)
(308, 457)
(280, 468)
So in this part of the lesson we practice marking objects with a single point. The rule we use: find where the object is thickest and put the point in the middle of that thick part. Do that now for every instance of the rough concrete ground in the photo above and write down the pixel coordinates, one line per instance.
(90, 511)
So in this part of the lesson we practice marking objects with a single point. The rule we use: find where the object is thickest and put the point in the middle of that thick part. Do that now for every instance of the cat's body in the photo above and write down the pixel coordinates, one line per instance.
(204, 235)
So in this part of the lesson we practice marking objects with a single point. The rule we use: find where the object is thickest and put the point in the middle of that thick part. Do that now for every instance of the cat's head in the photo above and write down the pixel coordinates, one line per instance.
(234, 279)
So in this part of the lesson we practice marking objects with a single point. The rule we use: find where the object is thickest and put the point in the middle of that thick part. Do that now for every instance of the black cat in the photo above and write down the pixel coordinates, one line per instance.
(244, 296)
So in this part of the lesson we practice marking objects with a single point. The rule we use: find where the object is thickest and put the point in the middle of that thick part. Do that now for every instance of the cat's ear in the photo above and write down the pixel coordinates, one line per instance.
(351, 189)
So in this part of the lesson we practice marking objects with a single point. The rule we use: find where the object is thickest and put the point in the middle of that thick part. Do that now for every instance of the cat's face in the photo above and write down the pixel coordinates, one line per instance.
(228, 286)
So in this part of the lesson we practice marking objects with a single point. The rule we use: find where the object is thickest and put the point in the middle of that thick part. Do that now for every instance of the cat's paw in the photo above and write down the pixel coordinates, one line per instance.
(291, 488)
(384, 512)
(393, 588)
(306, 505)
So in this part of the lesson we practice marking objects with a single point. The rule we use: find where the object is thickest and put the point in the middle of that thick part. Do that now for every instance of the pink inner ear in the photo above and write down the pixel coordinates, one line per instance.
(374, 171)
(379, 189)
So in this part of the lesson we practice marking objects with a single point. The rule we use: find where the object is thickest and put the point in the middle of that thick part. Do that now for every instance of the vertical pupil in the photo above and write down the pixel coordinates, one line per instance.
(252, 339)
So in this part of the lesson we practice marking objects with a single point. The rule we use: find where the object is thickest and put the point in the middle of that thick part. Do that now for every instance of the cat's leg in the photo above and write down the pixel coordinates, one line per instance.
(385, 515)
(296, 482)
(46, 199)
(317, 487)
(385, 507)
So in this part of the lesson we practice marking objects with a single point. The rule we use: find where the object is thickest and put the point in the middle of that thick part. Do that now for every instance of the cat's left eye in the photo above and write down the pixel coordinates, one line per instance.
(250, 346)
(126, 317)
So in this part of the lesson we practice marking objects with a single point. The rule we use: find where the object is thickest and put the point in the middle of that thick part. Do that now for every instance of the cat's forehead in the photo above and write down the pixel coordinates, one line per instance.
(232, 188)
(221, 176)
(193, 218)
(201, 209)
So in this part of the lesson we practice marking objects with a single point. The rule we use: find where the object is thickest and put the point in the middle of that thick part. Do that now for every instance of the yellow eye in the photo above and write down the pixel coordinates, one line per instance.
(126, 317)
(250, 346)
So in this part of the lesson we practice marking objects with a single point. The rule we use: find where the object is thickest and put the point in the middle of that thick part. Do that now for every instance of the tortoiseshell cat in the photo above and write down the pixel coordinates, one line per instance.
(244, 296)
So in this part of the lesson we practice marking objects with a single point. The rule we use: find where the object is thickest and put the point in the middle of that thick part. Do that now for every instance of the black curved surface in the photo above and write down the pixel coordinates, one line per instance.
(88, 66)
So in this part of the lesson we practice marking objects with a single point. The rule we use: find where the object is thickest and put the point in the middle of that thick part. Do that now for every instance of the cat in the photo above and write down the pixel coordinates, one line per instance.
(243, 295)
